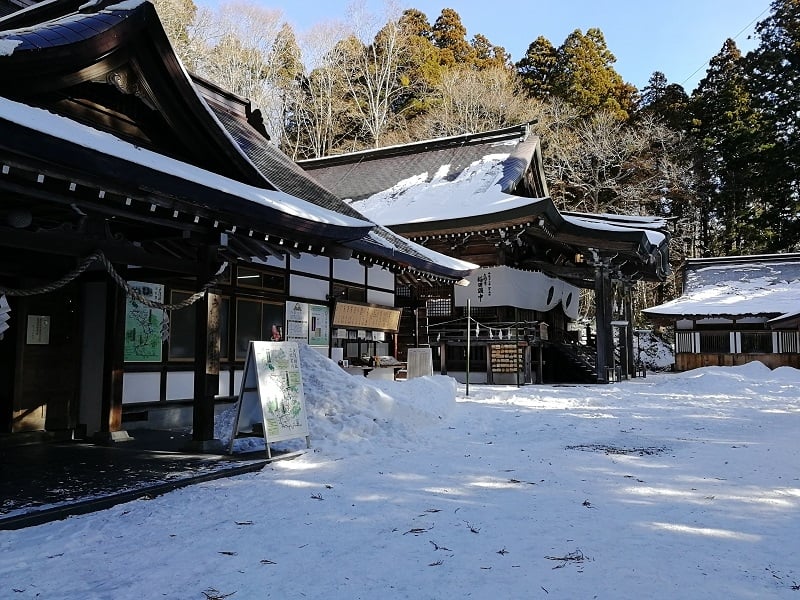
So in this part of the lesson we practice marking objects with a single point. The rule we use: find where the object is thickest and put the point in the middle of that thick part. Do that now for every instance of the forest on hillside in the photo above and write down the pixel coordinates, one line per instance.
(720, 162)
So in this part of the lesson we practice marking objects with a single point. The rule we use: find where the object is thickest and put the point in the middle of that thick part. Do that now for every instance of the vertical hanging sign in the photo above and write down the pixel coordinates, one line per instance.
(144, 325)
(272, 394)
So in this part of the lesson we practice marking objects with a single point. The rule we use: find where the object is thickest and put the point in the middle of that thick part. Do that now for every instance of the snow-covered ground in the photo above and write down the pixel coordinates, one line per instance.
(673, 486)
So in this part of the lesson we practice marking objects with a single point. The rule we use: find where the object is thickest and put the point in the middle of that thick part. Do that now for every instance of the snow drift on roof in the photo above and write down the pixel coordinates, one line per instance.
(475, 191)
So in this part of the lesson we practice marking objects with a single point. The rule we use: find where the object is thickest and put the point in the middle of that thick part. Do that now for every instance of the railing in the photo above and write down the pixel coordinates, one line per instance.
(788, 342)
(737, 342)
(756, 342)
(684, 342)
(718, 342)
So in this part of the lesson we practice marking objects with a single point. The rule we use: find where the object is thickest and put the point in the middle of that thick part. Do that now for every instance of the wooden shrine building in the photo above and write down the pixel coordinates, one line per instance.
(149, 230)
(483, 198)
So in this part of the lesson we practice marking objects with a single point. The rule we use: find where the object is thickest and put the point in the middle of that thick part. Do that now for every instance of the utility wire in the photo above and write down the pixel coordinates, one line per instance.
(743, 29)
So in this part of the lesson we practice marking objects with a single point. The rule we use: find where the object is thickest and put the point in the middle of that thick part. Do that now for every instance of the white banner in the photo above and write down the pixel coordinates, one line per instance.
(504, 286)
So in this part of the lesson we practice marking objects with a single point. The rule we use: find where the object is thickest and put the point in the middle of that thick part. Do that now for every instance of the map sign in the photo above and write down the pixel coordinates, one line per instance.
(272, 393)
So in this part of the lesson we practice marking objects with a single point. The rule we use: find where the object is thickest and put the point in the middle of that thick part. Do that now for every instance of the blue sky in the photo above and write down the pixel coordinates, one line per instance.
(676, 37)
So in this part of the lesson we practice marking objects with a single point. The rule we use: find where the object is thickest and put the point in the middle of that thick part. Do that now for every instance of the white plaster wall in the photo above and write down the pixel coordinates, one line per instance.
(140, 387)
(348, 270)
(313, 265)
(380, 277)
(382, 298)
(180, 385)
(224, 380)
(307, 287)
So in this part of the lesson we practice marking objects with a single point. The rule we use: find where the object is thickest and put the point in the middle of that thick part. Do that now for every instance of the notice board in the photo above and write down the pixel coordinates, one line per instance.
(366, 316)
(272, 394)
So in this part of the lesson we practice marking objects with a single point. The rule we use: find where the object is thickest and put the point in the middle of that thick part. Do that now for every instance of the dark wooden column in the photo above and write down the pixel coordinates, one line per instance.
(603, 311)
(114, 367)
(628, 316)
(206, 358)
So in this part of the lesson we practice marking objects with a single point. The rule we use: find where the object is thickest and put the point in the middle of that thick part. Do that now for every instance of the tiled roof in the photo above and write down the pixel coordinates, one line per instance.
(359, 175)
(277, 168)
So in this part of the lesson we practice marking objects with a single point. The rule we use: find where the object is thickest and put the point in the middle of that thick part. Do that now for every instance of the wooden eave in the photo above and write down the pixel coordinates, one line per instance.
(523, 216)
(62, 51)
(162, 223)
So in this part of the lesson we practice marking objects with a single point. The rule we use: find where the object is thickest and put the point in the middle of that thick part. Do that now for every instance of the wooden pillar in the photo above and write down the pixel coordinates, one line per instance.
(628, 316)
(206, 359)
(114, 367)
(603, 311)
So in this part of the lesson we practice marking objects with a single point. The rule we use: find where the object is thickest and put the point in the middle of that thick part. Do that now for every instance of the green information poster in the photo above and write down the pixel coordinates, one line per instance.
(143, 325)
(319, 325)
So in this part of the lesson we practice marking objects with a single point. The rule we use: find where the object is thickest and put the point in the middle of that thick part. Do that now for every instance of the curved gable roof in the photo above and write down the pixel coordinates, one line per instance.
(110, 66)
(51, 49)
(474, 193)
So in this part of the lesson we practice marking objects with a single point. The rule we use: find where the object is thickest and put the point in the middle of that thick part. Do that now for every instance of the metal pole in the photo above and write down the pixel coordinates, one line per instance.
(469, 326)
(516, 340)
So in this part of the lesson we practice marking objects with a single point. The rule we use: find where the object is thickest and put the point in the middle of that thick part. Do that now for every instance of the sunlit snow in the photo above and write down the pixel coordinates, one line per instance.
(669, 486)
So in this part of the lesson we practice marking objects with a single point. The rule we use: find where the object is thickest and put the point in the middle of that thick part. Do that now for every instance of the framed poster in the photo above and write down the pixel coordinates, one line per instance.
(38, 331)
(144, 325)
(366, 316)
(319, 325)
(297, 321)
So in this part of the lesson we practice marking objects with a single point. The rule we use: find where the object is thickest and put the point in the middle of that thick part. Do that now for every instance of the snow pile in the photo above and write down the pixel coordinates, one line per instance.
(672, 486)
(346, 409)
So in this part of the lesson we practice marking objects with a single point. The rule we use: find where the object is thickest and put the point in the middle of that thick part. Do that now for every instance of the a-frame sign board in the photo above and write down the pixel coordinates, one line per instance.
(272, 394)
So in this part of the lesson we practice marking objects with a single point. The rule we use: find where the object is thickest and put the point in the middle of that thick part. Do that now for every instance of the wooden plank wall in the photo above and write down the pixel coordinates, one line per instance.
(686, 362)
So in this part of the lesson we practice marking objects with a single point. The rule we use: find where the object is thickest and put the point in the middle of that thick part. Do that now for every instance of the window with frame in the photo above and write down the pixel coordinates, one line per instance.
(257, 320)
(439, 307)
(262, 280)
(353, 293)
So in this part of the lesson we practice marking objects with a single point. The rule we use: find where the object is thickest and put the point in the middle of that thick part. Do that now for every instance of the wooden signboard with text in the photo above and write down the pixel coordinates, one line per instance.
(366, 316)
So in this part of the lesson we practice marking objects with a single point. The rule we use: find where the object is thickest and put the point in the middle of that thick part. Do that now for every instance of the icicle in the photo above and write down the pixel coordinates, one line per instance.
(438, 337)
(477, 329)
(491, 333)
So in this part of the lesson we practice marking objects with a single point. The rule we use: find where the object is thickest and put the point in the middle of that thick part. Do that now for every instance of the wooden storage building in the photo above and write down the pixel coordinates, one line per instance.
(734, 310)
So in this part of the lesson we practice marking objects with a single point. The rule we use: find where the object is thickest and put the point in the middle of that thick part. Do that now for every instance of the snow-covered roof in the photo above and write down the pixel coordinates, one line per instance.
(65, 129)
(216, 149)
(648, 227)
(487, 184)
(751, 287)
(426, 197)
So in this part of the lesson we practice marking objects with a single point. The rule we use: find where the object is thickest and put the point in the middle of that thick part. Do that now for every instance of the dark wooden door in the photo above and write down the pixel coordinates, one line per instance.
(48, 364)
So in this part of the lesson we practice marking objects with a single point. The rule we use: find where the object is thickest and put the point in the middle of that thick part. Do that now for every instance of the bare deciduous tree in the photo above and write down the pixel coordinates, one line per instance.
(470, 100)
(374, 71)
